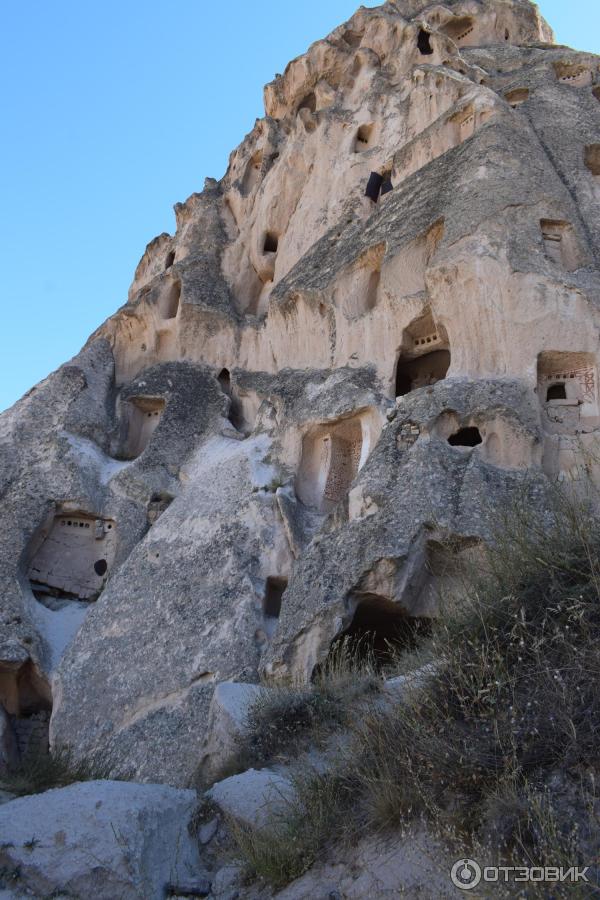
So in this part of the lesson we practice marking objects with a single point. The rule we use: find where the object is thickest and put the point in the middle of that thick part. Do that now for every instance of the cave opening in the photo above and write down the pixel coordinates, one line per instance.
(274, 591)
(374, 186)
(557, 391)
(424, 43)
(380, 631)
(235, 413)
(421, 371)
(309, 102)
(271, 242)
(170, 300)
(72, 560)
(363, 138)
(465, 437)
(142, 416)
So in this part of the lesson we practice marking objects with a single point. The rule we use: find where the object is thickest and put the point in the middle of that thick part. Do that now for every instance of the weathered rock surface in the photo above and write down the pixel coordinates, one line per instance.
(9, 750)
(412, 866)
(227, 723)
(253, 798)
(311, 392)
(101, 839)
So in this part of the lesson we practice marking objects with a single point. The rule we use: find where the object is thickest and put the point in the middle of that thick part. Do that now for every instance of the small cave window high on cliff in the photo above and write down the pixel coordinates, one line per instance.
(274, 591)
(363, 138)
(169, 299)
(465, 437)
(380, 631)
(271, 242)
(170, 259)
(141, 416)
(386, 184)
(373, 186)
(224, 379)
(71, 559)
(309, 102)
(329, 464)
(421, 371)
(424, 356)
(570, 381)
(235, 414)
(459, 29)
(424, 43)
(379, 183)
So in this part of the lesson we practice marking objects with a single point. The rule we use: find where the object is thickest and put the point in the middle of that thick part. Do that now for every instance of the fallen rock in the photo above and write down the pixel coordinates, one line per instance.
(207, 831)
(227, 881)
(253, 798)
(227, 716)
(399, 687)
(100, 839)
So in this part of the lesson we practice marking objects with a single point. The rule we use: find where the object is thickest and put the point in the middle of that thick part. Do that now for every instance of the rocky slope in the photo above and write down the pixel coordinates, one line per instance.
(376, 329)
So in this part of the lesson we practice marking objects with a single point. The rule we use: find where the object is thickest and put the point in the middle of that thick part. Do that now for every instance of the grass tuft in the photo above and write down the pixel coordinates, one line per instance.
(499, 750)
(41, 770)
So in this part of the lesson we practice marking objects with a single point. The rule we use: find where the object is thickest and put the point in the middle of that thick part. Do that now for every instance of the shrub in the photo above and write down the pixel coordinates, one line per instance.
(290, 845)
(500, 750)
(286, 715)
(515, 708)
(40, 770)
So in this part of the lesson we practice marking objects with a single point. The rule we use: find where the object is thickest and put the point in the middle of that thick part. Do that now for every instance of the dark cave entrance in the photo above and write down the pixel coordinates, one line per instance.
(421, 371)
(465, 437)
(424, 43)
(557, 391)
(380, 630)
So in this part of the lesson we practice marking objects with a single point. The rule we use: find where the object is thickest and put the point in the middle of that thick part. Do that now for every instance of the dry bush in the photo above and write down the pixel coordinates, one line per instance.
(286, 716)
(40, 770)
(293, 841)
(501, 749)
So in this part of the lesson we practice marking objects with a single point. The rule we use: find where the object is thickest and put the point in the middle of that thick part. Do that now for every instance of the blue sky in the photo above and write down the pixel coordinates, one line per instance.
(114, 111)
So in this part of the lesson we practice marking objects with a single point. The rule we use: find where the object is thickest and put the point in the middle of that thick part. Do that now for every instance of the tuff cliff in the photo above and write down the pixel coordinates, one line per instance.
(310, 386)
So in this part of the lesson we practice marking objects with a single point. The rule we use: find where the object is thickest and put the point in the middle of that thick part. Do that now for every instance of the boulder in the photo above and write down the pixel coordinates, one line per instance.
(227, 716)
(254, 798)
(100, 839)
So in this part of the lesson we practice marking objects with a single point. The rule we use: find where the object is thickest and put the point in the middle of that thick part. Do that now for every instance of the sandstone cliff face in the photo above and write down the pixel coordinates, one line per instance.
(308, 387)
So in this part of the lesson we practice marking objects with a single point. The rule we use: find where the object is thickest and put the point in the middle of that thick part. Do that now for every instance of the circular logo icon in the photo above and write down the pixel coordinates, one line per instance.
(466, 874)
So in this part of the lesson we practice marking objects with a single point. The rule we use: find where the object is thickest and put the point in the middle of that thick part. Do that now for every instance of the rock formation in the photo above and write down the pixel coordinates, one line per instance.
(376, 329)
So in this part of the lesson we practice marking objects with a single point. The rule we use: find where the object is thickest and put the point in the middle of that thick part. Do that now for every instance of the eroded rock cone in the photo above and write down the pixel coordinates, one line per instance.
(217, 485)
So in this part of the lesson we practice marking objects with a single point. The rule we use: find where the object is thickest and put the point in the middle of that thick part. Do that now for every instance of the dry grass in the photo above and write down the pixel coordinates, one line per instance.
(40, 771)
(292, 843)
(282, 720)
(501, 749)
